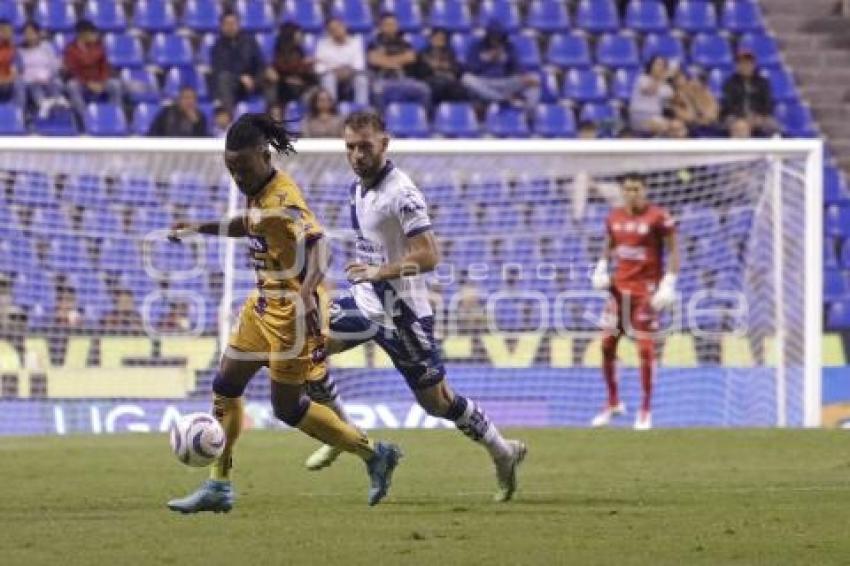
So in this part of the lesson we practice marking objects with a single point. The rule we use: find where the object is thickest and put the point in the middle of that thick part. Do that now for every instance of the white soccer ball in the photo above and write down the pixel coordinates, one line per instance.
(197, 439)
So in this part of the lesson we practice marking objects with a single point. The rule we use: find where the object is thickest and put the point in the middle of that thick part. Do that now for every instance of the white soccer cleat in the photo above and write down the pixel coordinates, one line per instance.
(506, 469)
(322, 458)
(643, 420)
(608, 413)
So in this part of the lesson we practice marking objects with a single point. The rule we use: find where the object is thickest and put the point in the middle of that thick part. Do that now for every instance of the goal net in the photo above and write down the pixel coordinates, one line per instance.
(106, 326)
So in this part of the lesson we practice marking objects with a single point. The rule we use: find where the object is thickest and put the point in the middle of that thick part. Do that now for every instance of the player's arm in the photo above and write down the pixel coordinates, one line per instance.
(233, 228)
(423, 255)
(665, 295)
(316, 262)
(600, 279)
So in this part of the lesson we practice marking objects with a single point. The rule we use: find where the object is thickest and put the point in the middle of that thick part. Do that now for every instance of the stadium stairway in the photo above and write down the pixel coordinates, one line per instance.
(816, 43)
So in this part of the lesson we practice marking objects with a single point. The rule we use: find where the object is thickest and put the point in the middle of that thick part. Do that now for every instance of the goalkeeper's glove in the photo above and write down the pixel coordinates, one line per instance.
(665, 296)
(600, 279)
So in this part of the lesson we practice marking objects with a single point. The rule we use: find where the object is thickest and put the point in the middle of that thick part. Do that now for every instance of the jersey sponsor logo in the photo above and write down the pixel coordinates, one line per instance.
(631, 253)
(258, 244)
(369, 252)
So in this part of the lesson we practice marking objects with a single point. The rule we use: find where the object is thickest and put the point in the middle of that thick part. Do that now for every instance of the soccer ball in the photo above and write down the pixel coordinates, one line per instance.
(197, 439)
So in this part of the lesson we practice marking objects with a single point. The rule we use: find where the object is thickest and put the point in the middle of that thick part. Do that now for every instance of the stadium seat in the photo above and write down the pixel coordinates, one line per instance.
(505, 12)
(55, 15)
(568, 50)
(554, 121)
(59, 122)
(256, 15)
(143, 116)
(179, 77)
(834, 285)
(617, 51)
(13, 12)
(356, 14)
(796, 119)
(452, 15)
(623, 83)
(141, 85)
(527, 50)
(548, 16)
(585, 85)
(763, 47)
(305, 13)
(105, 119)
(830, 253)
(844, 257)
(506, 122)
(86, 190)
(666, 45)
(123, 50)
(251, 105)
(781, 84)
(407, 120)
(838, 316)
(597, 16)
(408, 13)
(834, 187)
(170, 50)
(740, 16)
(107, 15)
(716, 79)
(647, 16)
(11, 120)
(837, 220)
(266, 42)
(695, 16)
(155, 16)
(600, 113)
(137, 188)
(456, 120)
(202, 15)
(708, 50)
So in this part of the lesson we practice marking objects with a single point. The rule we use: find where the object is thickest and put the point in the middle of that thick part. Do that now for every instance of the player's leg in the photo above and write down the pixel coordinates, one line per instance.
(644, 322)
(324, 392)
(610, 337)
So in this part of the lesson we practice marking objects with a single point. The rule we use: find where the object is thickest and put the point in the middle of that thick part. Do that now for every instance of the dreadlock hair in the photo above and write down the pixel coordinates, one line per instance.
(257, 129)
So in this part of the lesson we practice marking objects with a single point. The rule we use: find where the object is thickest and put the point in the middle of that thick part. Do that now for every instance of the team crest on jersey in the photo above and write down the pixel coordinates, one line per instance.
(643, 228)
(258, 244)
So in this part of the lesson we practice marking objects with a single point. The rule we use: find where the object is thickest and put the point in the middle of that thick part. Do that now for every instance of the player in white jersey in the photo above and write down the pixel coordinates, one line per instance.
(388, 299)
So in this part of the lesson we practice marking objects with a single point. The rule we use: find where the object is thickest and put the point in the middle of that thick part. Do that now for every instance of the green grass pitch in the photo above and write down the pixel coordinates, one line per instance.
(586, 497)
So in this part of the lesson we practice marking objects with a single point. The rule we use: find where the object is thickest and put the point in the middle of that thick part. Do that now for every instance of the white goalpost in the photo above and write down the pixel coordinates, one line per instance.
(520, 224)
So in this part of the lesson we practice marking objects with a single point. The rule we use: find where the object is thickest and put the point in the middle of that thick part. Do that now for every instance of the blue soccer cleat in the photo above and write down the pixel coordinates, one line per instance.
(213, 495)
(380, 469)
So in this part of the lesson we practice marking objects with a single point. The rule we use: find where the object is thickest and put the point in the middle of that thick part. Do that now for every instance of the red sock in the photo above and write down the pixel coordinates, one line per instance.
(646, 350)
(609, 368)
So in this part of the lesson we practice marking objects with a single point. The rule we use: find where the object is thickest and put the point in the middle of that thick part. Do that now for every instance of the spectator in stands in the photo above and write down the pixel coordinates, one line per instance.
(181, 118)
(11, 86)
(694, 104)
(392, 60)
(649, 107)
(470, 313)
(438, 66)
(176, 319)
(40, 68)
(88, 69)
(587, 130)
(747, 106)
(236, 61)
(291, 72)
(123, 315)
(341, 63)
(222, 118)
(67, 314)
(323, 119)
(493, 73)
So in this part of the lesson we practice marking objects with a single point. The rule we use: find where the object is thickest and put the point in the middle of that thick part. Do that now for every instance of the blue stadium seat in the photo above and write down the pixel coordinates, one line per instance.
(600, 113)
(170, 50)
(202, 56)
(834, 187)
(143, 116)
(506, 122)
(456, 120)
(834, 284)
(527, 50)
(505, 12)
(14, 12)
(781, 84)
(708, 50)
(585, 85)
(138, 188)
(86, 190)
(740, 16)
(252, 105)
(417, 40)
(796, 119)
(105, 119)
(266, 42)
(830, 253)
(256, 15)
(356, 14)
(155, 16)
(178, 77)
(568, 50)
(548, 16)
(597, 16)
(202, 15)
(763, 47)
(306, 13)
(407, 120)
(695, 16)
(141, 85)
(837, 220)
(647, 16)
(838, 316)
(617, 51)
(61, 40)
(124, 50)
(666, 45)
(554, 121)
(59, 122)
(452, 15)
(11, 120)
(55, 15)
(844, 258)
(624, 83)
(716, 79)
(408, 13)
(107, 15)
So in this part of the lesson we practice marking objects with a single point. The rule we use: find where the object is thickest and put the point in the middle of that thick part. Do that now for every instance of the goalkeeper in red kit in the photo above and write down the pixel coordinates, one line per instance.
(638, 236)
